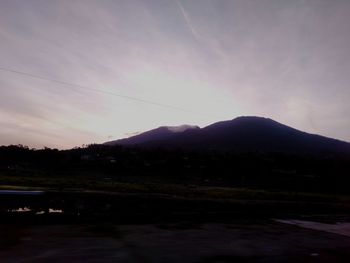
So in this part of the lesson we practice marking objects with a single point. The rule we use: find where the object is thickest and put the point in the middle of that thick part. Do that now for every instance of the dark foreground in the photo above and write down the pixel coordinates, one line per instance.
(240, 241)
(114, 204)
(51, 226)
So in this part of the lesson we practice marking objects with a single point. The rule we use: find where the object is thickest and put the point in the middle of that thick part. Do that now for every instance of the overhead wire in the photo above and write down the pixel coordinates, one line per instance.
(74, 85)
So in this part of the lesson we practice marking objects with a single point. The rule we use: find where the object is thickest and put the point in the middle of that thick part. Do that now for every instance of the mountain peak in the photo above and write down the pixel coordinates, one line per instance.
(158, 134)
(241, 134)
(253, 119)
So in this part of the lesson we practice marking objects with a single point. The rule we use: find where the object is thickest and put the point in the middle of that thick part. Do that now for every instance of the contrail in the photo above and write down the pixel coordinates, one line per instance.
(188, 21)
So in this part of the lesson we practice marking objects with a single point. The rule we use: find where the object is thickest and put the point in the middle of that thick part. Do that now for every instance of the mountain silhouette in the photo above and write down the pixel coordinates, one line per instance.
(155, 135)
(242, 134)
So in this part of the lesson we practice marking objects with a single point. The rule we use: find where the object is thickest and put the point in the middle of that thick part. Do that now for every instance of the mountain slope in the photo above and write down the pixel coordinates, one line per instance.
(158, 134)
(243, 134)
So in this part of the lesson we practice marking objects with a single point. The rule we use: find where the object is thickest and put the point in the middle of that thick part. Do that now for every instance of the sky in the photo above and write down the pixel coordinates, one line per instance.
(76, 72)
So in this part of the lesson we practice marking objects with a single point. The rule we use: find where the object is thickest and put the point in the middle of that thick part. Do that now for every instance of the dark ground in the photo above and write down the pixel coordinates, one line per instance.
(133, 205)
(241, 241)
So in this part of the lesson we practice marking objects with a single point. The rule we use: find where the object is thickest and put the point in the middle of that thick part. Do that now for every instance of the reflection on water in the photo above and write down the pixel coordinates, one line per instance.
(20, 210)
(341, 228)
(51, 210)
(41, 212)
(26, 201)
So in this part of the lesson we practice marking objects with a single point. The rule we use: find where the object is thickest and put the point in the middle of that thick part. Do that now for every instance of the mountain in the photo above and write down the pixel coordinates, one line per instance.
(242, 134)
(155, 135)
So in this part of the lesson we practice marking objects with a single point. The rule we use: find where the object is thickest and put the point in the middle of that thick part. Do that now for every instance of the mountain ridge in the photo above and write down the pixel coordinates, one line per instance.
(243, 134)
(159, 133)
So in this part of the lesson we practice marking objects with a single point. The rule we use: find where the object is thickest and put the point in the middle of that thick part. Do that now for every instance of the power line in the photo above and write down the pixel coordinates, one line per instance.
(97, 90)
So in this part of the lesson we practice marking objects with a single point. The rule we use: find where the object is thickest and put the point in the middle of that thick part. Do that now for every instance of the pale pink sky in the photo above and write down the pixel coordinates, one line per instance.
(216, 59)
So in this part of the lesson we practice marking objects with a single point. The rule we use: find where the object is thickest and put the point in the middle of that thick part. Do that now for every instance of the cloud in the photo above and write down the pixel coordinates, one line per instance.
(216, 59)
